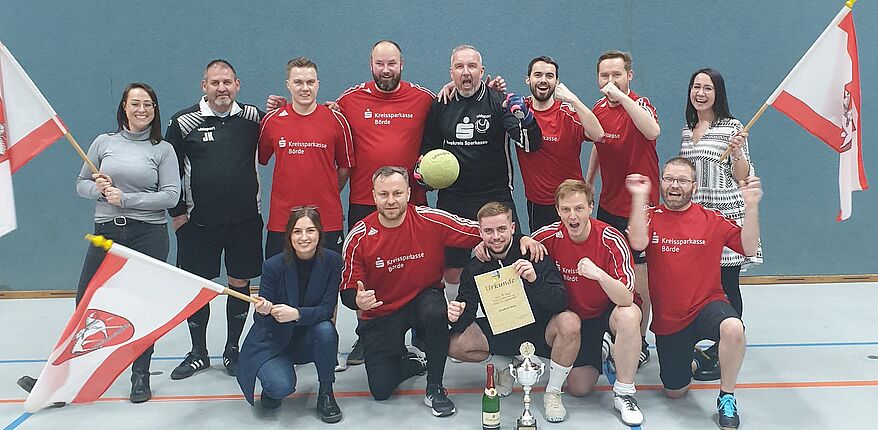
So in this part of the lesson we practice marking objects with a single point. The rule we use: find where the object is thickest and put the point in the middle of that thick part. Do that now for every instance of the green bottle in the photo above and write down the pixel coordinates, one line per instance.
(490, 403)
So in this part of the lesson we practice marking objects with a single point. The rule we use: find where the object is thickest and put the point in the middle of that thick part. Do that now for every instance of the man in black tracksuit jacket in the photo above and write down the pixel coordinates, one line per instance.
(555, 332)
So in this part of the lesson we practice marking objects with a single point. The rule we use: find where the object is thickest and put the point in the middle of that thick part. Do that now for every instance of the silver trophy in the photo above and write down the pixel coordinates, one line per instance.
(527, 374)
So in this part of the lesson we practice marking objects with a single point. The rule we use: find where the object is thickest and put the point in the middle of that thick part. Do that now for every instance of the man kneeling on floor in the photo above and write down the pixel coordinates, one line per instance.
(596, 266)
(555, 332)
(684, 244)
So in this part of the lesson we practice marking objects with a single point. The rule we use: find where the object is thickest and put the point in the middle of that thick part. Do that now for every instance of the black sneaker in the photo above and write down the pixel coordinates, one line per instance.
(437, 399)
(706, 367)
(191, 364)
(269, 403)
(27, 383)
(230, 361)
(140, 391)
(414, 364)
(644, 355)
(328, 408)
(727, 408)
(356, 356)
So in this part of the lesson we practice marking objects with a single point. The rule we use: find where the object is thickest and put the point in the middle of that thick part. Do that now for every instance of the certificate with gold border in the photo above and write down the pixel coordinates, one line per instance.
(504, 299)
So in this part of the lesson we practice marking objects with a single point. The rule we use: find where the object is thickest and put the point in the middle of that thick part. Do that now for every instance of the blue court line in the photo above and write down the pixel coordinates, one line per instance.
(755, 345)
(18, 421)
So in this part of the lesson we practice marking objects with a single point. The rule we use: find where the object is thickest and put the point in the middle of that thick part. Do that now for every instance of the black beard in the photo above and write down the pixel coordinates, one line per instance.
(548, 96)
(387, 84)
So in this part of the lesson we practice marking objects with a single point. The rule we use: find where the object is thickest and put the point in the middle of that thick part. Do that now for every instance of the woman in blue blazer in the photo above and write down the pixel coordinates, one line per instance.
(293, 320)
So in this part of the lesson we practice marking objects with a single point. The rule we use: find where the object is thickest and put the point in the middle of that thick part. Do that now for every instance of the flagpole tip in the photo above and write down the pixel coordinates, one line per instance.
(850, 3)
(99, 241)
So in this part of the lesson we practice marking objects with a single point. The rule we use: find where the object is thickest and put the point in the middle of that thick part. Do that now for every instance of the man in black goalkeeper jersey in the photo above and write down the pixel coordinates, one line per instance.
(474, 126)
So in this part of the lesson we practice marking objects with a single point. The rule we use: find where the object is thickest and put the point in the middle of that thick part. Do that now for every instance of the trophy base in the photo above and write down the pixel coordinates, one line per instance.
(520, 426)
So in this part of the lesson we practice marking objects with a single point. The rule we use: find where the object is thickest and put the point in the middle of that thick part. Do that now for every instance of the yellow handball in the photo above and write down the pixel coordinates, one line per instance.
(439, 169)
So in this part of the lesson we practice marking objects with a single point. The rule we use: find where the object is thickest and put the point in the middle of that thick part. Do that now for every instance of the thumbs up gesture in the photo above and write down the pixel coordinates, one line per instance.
(366, 298)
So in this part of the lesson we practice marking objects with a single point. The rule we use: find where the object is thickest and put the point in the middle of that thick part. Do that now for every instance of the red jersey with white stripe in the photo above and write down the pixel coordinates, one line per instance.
(401, 262)
(604, 246)
(308, 151)
(558, 157)
(387, 129)
(622, 151)
(683, 257)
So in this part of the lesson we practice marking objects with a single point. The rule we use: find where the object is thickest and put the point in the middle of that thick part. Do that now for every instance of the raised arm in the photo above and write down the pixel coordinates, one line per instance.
(642, 115)
(751, 191)
(590, 123)
(639, 186)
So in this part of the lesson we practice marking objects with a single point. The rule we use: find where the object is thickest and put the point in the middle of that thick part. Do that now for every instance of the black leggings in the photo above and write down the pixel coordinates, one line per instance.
(731, 280)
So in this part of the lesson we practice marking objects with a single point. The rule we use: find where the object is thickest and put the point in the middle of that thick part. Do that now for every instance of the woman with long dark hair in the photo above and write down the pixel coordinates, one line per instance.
(139, 180)
(710, 130)
(293, 320)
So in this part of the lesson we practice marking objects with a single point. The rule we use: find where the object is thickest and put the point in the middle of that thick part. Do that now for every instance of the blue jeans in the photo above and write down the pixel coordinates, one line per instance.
(317, 343)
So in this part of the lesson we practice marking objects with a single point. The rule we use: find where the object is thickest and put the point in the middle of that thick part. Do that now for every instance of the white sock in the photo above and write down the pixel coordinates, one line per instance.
(557, 376)
(451, 291)
(624, 389)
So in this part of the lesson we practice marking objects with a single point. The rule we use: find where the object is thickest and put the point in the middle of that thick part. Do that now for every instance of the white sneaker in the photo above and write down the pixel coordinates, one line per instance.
(627, 406)
(504, 382)
(555, 412)
(341, 363)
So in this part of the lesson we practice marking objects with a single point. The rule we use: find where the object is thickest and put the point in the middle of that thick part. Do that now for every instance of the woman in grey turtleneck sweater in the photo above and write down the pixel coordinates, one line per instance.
(139, 180)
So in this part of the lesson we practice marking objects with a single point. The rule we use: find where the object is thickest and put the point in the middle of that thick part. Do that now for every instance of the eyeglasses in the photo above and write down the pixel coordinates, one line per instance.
(682, 182)
(145, 105)
(303, 207)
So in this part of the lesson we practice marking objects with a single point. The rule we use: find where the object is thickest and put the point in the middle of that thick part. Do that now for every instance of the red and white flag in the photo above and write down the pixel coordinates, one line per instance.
(822, 94)
(27, 126)
(131, 302)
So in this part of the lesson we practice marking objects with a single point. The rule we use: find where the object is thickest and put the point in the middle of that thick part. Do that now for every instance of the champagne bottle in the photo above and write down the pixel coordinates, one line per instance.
(490, 403)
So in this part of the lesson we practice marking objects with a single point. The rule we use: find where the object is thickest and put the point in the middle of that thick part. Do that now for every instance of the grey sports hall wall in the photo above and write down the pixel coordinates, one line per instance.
(82, 53)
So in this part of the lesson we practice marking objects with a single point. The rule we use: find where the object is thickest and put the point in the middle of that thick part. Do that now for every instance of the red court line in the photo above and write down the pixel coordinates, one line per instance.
(479, 390)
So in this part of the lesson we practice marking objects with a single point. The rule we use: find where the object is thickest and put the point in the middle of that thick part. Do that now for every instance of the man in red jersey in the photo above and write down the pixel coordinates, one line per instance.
(595, 264)
(565, 122)
(313, 150)
(393, 269)
(387, 118)
(394, 260)
(684, 244)
(628, 146)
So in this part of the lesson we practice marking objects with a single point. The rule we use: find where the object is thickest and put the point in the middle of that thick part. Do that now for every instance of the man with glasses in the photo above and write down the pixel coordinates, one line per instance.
(313, 150)
(684, 244)
(218, 212)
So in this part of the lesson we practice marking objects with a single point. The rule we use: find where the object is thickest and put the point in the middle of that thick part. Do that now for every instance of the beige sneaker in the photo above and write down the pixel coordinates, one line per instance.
(555, 412)
(504, 382)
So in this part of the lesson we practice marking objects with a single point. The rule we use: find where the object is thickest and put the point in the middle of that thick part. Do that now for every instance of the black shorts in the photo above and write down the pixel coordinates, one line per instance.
(357, 212)
(275, 243)
(621, 223)
(675, 350)
(509, 343)
(540, 216)
(199, 249)
(467, 207)
(591, 337)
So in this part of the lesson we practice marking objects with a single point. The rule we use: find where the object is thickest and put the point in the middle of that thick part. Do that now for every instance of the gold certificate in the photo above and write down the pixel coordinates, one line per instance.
(504, 300)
